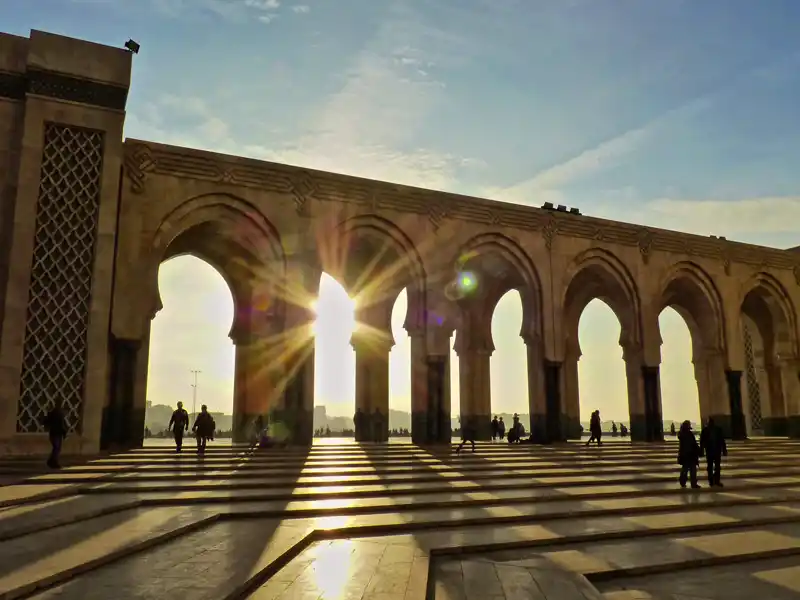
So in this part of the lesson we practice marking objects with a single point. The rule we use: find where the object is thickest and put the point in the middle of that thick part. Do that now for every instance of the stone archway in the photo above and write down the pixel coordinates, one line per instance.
(768, 326)
(690, 291)
(498, 265)
(598, 274)
(244, 247)
(375, 260)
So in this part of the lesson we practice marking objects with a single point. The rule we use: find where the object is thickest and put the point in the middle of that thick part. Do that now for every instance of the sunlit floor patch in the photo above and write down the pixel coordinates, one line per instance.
(731, 544)
(788, 577)
(680, 519)
(578, 561)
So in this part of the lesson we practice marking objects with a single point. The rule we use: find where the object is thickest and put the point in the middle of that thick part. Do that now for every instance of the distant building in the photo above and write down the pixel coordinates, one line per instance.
(320, 417)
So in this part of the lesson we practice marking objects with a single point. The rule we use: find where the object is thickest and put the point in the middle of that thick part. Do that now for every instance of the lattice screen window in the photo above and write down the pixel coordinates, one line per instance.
(55, 347)
(753, 385)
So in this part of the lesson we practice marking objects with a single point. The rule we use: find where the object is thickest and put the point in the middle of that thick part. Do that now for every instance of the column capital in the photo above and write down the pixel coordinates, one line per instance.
(372, 341)
(632, 353)
(243, 333)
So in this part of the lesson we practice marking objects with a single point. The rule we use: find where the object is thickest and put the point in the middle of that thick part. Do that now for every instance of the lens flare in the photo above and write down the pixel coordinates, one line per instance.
(467, 282)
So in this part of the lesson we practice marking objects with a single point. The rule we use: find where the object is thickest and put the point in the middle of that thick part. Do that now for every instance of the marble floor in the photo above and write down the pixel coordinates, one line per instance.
(342, 521)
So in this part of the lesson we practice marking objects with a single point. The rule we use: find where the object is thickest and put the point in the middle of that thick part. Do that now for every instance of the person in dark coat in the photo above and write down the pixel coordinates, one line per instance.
(359, 425)
(495, 428)
(501, 429)
(469, 432)
(178, 423)
(203, 428)
(713, 447)
(595, 429)
(517, 431)
(56, 425)
(688, 455)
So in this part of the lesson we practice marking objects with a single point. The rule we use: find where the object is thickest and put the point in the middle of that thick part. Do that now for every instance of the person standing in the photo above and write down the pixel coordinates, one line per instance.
(501, 429)
(203, 429)
(713, 447)
(688, 455)
(56, 426)
(178, 423)
(495, 428)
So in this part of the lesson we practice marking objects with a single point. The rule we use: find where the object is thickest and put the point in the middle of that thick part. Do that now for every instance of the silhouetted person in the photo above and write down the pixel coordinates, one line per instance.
(178, 423)
(672, 428)
(517, 430)
(379, 427)
(623, 430)
(501, 429)
(359, 424)
(258, 426)
(688, 455)
(713, 446)
(56, 426)
(613, 428)
(495, 428)
(469, 432)
(595, 431)
(203, 428)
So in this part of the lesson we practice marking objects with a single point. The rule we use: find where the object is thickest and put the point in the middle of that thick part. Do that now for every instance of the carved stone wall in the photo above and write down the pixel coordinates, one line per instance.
(55, 347)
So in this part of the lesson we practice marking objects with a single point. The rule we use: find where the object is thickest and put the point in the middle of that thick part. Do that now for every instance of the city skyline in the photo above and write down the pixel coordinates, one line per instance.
(675, 114)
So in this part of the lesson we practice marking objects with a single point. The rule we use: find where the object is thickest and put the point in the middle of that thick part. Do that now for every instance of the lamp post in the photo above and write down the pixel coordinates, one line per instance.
(195, 373)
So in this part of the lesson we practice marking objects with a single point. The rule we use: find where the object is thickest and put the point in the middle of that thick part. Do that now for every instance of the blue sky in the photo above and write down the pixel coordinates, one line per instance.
(671, 113)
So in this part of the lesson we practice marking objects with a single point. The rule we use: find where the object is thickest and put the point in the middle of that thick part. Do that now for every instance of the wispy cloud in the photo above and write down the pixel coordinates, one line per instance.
(547, 185)
(369, 126)
(301, 8)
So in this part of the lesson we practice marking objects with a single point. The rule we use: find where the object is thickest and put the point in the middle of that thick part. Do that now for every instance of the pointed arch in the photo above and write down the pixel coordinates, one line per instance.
(526, 280)
(691, 292)
(231, 235)
(598, 274)
(407, 265)
(764, 296)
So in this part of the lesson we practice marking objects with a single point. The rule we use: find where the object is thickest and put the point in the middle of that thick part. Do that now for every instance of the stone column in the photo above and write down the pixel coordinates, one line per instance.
(713, 392)
(259, 379)
(475, 387)
(553, 391)
(294, 407)
(790, 387)
(644, 396)
(537, 401)
(570, 406)
(430, 385)
(372, 381)
(733, 380)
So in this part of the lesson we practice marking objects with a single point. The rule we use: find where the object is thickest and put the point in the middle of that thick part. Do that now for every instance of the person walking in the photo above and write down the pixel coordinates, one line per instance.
(713, 447)
(203, 429)
(56, 425)
(468, 434)
(688, 455)
(595, 429)
(179, 423)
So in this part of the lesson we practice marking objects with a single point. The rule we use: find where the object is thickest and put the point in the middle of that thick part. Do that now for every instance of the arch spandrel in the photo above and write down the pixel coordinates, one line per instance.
(232, 236)
(598, 274)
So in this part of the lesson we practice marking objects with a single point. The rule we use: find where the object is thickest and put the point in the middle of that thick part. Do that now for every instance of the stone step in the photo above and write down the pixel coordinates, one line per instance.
(36, 562)
(236, 557)
(491, 574)
(31, 518)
